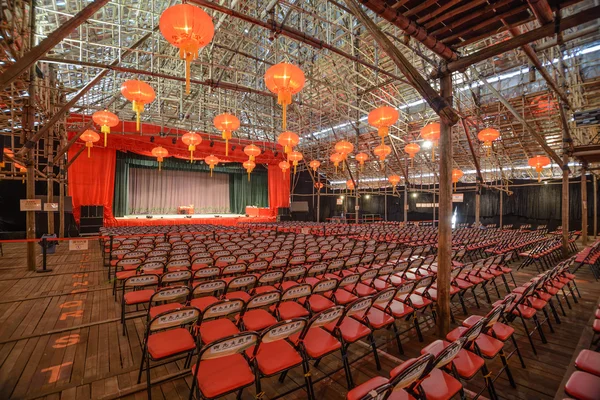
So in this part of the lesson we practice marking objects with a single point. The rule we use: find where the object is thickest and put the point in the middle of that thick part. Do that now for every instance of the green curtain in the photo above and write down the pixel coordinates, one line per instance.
(241, 192)
(121, 187)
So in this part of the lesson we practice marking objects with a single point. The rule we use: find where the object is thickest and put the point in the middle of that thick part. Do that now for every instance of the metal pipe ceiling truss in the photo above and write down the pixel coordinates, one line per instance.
(347, 73)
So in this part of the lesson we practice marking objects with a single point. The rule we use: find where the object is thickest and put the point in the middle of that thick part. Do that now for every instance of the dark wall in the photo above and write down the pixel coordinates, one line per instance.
(536, 204)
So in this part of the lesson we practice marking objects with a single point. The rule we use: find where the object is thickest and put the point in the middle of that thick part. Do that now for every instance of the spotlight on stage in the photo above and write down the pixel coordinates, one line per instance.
(212, 143)
(188, 216)
(233, 148)
(151, 139)
(149, 216)
(174, 140)
(275, 153)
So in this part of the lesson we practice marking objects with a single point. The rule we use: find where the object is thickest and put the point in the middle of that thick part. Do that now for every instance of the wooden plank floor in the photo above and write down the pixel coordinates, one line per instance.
(60, 338)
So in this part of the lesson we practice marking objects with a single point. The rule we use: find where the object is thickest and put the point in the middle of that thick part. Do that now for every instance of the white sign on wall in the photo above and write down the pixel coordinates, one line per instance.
(50, 206)
(31, 205)
(458, 197)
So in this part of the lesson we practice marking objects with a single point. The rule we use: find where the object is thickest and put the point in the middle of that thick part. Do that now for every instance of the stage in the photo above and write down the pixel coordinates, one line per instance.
(192, 219)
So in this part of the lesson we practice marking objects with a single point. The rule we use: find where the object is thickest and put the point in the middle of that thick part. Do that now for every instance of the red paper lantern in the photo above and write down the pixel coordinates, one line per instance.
(284, 165)
(487, 136)
(188, 28)
(106, 120)
(140, 94)
(319, 186)
(539, 162)
(344, 148)
(382, 151)
(394, 180)
(350, 184)
(431, 132)
(336, 159)
(314, 164)
(89, 137)
(288, 140)
(160, 153)
(412, 149)
(211, 161)
(361, 158)
(11, 155)
(226, 123)
(252, 151)
(249, 165)
(294, 157)
(284, 80)
(382, 118)
(456, 175)
(191, 139)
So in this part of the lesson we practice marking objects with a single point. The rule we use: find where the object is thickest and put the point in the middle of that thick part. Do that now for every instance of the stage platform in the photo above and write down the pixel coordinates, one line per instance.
(192, 219)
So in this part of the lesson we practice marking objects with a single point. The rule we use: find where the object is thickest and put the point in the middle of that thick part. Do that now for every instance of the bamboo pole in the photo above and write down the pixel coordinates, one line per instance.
(595, 187)
(501, 207)
(445, 216)
(477, 204)
(30, 155)
(584, 208)
(405, 204)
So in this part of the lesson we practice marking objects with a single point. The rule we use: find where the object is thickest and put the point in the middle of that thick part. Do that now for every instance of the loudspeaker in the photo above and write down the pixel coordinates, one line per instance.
(284, 218)
(283, 211)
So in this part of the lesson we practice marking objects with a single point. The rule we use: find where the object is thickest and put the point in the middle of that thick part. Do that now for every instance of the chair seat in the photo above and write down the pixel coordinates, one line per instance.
(238, 295)
(318, 303)
(467, 363)
(440, 386)
(122, 275)
(525, 311)
(417, 302)
(291, 309)
(167, 343)
(583, 386)
(264, 289)
(217, 329)
(359, 392)
(318, 342)
(499, 330)
(138, 296)
(378, 319)
(588, 361)
(285, 285)
(155, 310)
(222, 375)
(536, 303)
(397, 308)
(257, 320)
(343, 297)
(274, 357)
(489, 346)
(203, 302)
(363, 290)
(471, 278)
(351, 329)
(433, 294)
(462, 284)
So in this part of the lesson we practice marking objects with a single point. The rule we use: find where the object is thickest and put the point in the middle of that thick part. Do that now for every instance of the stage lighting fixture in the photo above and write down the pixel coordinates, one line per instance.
(342, 197)
(232, 148)
(188, 216)
(414, 195)
(149, 216)
(368, 196)
(275, 153)
(151, 139)
(545, 182)
(174, 140)
(212, 143)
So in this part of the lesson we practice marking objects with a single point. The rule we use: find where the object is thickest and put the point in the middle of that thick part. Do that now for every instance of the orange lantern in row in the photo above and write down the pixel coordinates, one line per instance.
(361, 158)
(319, 186)
(249, 165)
(212, 161)
(11, 155)
(344, 147)
(284, 165)
(226, 123)
(294, 157)
(456, 175)
(350, 184)
(89, 137)
(412, 149)
(288, 140)
(106, 120)
(336, 159)
(188, 28)
(382, 118)
(382, 151)
(314, 164)
(539, 162)
(284, 80)
(191, 139)
(252, 151)
(160, 153)
(487, 136)
(431, 132)
(394, 180)
(140, 94)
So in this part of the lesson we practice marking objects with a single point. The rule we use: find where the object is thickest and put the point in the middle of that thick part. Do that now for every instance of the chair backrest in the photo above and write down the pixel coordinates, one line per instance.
(209, 288)
(257, 266)
(246, 258)
(282, 330)
(247, 281)
(349, 280)
(270, 277)
(323, 318)
(224, 261)
(368, 275)
(207, 272)
(234, 269)
(474, 331)
(227, 346)
(358, 306)
(494, 315)
(262, 300)
(171, 294)
(317, 269)
(384, 297)
(179, 264)
(176, 277)
(411, 372)
(448, 354)
(174, 318)
(295, 273)
(296, 292)
(223, 308)
(141, 281)
(325, 285)
(278, 263)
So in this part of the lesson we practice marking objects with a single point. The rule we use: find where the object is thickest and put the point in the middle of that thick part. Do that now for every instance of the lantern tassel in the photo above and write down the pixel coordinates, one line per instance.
(106, 130)
(248, 176)
(284, 98)
(138, 108)
(159, 166)
(89, 152)
(295, 164)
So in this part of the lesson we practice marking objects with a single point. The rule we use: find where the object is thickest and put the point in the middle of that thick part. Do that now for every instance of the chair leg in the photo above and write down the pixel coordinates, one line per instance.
(518, 351)
(398, 340)
(282, 376)
(489, 383)
(417, 327)
(308, 379)
(566, 298)
(539, 328)
(547, 316)
(505, 283)
(375, 354)
(554, 313)
(507, 369)
(475, 297)
(142, 365)
(462, 302)
(562, 309)
(148, 385)
(349, 380)
(513, 279)
(496, 287)
(528, 334)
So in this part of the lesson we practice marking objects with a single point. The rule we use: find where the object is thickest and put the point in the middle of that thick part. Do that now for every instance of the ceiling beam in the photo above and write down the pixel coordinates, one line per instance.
(35, 53)
(471, 149)
(542, 11)
(435, 101)
(591, 14)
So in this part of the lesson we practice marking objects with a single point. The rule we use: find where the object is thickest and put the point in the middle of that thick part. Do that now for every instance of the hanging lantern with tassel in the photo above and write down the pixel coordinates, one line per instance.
(319, 186)
(336, 159)
(539, 162)
(456, 175)
(431, 132)
(487, 136)
(89, 137)
(188, 28)
(252, 151)
(284, 165)
(350, 184)
(226, 123)
(382, 151)
(140, 94)
(412, 149)
(394, 180)
(160, 153)
(106, 120)
(191, 139)
(382, 118)
(211, 161)
(284, 80)
(314, 164)
(249, 165)
(361, 158)
(294, 157)
(288, 140)
(344, 148)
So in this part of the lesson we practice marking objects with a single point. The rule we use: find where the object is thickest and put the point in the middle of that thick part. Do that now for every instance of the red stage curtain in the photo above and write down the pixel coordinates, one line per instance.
(92, 180)
(224, 221)
(279, 189)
